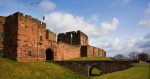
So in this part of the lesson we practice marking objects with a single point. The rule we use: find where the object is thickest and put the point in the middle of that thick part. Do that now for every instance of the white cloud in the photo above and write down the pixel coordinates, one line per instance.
(144, 44)
(63, 22)
(108, 27)
(125, 46)
(144, 23)
(130, 43)
(93, 27)
(47, 5)
(115, 44)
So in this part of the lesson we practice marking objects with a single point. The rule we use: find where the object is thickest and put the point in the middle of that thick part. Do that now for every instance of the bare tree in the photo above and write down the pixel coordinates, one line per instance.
(133, 55)
(143, 56)
(119, 56)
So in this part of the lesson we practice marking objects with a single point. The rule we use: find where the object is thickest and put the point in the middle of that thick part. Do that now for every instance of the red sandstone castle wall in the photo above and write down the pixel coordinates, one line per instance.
(83, 38)
(2, 22)
(1, 37)
(50, 35)
(67, 51)
(10, 36)
(92, 51)
(73, 38)
(26, 39)
(31, 39)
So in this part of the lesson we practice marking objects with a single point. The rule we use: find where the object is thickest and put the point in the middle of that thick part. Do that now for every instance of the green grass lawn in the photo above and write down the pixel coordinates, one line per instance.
(91, 58)
(138, 71)
(10, 69)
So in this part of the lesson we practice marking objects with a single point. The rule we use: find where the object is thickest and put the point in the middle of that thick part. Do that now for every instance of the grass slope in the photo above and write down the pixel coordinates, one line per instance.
(10, 69)
(138, 71)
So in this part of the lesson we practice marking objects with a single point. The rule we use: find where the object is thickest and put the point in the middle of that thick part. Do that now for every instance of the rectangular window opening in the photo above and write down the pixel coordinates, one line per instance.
(29, 53)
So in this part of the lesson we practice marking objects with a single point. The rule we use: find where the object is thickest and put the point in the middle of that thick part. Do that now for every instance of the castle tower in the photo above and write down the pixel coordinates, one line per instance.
(24, 38)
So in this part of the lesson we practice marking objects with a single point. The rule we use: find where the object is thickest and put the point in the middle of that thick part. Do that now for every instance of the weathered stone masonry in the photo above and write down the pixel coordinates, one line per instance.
(2, 22)
(73, 38)
(27, 39)
(105, 66)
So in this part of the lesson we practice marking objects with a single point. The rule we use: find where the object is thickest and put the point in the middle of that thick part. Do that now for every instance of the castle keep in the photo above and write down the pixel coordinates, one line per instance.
(27, 39)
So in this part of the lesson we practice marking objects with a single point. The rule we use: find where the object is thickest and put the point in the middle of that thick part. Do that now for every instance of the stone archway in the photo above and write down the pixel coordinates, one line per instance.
(92, 71)
(49, 54)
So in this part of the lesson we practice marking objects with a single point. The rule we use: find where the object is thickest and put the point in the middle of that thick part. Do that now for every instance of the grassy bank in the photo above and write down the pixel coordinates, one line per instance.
(10, 69)
(138, 71)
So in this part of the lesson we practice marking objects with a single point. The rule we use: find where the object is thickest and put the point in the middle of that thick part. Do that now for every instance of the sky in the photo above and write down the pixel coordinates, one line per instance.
(117, 26)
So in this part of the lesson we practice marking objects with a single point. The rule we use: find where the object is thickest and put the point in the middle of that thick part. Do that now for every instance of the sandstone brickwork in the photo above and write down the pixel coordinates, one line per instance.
(2, 22)
(92, 51)
(50, 35)
(27, 39)
(73, 38)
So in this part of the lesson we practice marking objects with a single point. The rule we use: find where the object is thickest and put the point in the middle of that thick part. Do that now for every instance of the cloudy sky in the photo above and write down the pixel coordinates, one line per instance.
(118, 26)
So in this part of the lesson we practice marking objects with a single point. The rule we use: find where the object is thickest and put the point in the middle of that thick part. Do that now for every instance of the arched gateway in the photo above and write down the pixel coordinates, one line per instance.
(49, 54)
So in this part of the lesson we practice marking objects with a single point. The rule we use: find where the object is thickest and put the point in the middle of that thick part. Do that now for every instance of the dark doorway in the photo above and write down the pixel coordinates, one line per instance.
(49, 54)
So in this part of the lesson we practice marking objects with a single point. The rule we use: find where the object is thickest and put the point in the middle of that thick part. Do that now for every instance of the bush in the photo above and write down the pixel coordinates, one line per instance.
(96, 71)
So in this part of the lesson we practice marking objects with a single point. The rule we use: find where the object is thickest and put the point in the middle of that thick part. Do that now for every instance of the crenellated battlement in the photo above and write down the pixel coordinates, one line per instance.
(27, 17)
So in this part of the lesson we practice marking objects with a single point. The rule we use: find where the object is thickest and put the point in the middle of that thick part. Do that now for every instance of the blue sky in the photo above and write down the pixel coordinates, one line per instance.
(118, 26)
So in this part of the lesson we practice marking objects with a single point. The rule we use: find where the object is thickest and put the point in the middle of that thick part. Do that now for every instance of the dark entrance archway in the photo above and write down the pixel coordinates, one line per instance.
(49, 54)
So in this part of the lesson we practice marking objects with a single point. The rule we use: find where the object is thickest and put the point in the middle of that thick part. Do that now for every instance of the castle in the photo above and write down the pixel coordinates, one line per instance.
(27, 39)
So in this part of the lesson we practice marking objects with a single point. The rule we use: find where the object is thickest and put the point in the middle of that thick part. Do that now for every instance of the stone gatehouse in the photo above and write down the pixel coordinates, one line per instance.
(27, 39)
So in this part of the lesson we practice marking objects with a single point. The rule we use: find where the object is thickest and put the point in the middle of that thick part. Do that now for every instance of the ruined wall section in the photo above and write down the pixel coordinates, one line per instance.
(66, 37)
(31, 38)
(10, 36)
(73, 38)
(67, 51)
(92, 51)
(83, 38)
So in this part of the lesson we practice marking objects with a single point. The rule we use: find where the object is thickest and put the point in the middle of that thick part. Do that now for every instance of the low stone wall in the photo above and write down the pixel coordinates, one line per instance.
(85, 67)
